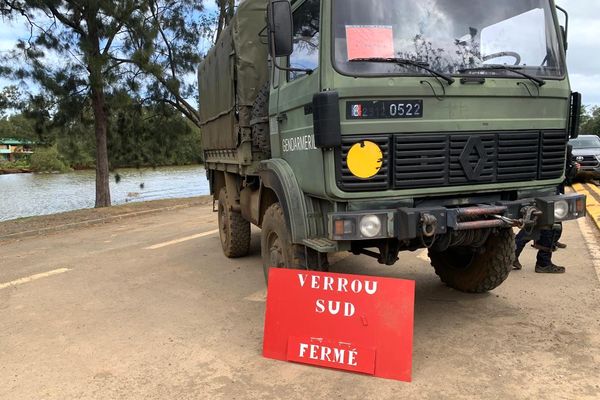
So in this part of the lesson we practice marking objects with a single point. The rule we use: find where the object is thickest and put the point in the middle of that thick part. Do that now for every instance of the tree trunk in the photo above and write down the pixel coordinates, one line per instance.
(95, 65)
(102, 173)
(222, 16)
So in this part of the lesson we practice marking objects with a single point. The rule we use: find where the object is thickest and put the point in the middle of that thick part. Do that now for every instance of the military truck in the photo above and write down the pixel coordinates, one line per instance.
(381, 127)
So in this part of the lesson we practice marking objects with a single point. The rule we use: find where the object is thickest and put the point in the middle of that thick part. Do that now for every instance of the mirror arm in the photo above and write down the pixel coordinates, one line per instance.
(566, 17)
(566, 28)
(279, 67)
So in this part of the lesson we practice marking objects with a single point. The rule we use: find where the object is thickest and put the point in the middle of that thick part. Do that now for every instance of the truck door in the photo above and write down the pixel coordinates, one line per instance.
(296, 90)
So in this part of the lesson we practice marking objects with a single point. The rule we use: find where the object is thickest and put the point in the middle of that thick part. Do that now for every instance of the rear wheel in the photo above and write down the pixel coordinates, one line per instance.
(234, 230)
(277, 249)
(477, 270)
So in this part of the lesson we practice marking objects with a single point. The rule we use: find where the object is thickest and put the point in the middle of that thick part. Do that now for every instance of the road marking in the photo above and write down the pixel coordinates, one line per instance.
(424, 255)
(33, 278)
(590, 241)
(177, 241)
(593, 188)
(592, 204)
(258, 297)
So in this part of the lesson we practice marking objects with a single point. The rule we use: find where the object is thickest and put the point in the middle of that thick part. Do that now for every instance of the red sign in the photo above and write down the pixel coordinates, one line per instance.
(370, 41)
(349, 322)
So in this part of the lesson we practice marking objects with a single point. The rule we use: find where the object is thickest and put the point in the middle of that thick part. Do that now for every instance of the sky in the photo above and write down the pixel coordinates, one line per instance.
(583, 56)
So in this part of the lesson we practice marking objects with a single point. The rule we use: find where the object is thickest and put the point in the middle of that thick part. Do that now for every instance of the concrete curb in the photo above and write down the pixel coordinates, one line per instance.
(593, 201)
(96, 221)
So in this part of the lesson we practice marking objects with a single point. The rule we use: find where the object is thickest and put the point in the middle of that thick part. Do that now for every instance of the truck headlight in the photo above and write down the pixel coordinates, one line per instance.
(561, 210)
(362, 225)
(370, 226)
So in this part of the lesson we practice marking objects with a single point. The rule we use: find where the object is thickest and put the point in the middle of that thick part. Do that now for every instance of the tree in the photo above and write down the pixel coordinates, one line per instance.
(590, 121)
(146, 46)
(18, 126)
(226, 12)
(9, 99)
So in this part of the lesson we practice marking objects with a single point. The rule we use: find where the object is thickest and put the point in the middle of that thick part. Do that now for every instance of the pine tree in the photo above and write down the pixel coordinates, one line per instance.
(91, 48)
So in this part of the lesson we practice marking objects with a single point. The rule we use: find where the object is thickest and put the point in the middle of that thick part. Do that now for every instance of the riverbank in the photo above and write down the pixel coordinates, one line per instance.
(29, 170)
(40, 225)
(7, 171)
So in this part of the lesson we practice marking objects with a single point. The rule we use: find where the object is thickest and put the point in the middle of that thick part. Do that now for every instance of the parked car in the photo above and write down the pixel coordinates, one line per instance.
(586, 152)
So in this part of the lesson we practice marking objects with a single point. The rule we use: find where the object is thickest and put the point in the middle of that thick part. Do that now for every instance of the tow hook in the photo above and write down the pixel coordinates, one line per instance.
(428, 225)
(530, 216)
(529, 219)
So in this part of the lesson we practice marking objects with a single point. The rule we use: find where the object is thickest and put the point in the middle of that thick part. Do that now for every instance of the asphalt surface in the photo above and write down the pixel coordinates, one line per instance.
(149, 308)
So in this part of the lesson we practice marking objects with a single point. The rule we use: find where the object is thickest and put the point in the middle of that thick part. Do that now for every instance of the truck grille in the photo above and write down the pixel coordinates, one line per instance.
(430, 160)
(381, 181)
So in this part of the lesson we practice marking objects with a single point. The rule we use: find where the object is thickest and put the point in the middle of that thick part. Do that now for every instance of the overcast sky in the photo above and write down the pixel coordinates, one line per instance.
(583, 54)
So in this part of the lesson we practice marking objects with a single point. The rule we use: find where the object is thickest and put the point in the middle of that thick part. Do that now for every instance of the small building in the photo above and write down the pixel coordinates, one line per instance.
(14, 149)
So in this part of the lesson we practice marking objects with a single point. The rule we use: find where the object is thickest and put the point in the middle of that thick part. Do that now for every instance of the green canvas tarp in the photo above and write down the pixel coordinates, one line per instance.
(231, 75)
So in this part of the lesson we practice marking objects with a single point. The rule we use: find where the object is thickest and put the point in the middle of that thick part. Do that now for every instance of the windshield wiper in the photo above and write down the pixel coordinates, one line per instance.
(500, 67)
(403, 61)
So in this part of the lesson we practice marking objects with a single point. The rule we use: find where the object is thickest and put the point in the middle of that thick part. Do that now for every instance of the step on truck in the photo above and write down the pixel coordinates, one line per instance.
(389, 126)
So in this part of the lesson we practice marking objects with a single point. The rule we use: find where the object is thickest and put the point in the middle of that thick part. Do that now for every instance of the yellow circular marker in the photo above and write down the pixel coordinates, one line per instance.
(365, 159)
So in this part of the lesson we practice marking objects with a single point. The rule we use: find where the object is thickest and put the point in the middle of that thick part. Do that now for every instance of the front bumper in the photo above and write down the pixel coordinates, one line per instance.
(588, 163)
(412, 223)
(590, 170)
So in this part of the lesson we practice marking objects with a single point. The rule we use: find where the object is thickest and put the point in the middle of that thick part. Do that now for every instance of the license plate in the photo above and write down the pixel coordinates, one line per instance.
(384, 109)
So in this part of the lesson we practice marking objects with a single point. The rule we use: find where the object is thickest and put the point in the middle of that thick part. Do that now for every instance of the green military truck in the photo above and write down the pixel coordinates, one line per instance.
(378, 127)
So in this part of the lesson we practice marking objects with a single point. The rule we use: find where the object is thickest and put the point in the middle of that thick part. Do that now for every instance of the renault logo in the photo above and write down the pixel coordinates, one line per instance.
(474, 144)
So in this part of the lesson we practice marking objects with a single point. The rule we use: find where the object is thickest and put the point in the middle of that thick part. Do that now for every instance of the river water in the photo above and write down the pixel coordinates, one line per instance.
(25, 195)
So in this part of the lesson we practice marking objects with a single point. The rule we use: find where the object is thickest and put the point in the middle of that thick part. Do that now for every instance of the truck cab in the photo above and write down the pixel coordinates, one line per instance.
(397, 125)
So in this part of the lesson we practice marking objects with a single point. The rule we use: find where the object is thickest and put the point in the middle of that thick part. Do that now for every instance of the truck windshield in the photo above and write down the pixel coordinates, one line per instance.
(452, 36)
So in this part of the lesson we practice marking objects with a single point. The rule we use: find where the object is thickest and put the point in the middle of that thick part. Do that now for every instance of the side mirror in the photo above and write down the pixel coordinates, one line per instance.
(575, 115)
(326, 120)
(280, 23)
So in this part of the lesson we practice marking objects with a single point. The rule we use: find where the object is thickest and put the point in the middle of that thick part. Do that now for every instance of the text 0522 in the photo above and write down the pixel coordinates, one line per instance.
(384, 109)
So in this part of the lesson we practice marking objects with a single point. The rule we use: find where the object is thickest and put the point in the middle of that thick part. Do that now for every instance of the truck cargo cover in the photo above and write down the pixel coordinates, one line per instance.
(233, 70)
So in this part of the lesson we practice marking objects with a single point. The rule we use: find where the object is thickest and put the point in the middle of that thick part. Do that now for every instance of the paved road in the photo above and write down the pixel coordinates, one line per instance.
(129, 310)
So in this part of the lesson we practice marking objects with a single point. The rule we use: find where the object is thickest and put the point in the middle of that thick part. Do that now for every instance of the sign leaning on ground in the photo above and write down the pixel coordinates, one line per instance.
(348, 322)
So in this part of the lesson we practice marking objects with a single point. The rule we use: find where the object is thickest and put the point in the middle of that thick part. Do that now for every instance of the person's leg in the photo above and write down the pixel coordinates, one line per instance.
(544, 257)
(520, 241)
(558, 235)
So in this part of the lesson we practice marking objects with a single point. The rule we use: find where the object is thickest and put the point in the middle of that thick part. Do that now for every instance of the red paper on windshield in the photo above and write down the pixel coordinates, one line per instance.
(370, 41)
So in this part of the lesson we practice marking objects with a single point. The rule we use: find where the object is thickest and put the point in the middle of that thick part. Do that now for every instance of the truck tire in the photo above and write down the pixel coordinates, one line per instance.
(277, 250)
(261, 140)
(479, 270)
(234, 230)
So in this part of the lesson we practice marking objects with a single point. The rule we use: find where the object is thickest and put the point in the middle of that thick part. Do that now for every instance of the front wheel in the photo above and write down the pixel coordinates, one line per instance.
(477, 270)
(277, 249)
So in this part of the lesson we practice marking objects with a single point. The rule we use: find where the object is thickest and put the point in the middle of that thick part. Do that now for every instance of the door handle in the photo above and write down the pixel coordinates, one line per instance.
(282, 117)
